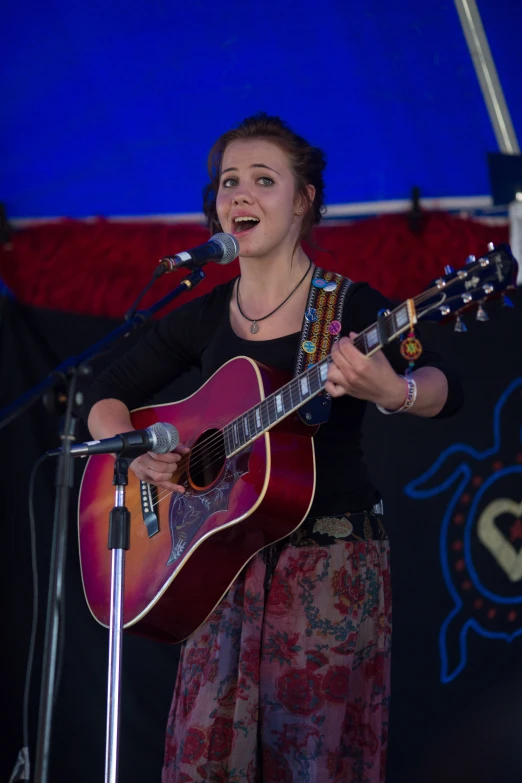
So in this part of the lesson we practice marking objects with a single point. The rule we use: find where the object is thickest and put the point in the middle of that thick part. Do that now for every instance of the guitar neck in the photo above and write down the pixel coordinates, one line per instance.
(290, 397)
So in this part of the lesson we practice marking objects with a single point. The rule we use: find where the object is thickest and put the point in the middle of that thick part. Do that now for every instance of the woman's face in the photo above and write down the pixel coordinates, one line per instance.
(256, 200)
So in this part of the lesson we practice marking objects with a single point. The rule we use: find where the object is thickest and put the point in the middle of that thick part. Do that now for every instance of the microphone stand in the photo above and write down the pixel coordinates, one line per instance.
(55, 597)
(119, 542)
(69, 370)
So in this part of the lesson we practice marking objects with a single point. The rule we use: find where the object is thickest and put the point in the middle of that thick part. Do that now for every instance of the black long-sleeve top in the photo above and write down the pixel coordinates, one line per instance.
(199, 334)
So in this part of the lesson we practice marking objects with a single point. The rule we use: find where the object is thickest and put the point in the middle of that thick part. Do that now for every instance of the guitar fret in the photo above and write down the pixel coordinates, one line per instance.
(315, 384)
(228, 445)
(371, 337)
(295, 393)
(400, 318)
(389, 326)
(361, 338)
(290, 395)
(275, 407)
(272, 409)
(299, 390)
(287, 398)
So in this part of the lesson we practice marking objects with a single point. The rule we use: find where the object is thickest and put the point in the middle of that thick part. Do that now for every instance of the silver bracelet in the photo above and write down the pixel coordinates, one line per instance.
(411, 396)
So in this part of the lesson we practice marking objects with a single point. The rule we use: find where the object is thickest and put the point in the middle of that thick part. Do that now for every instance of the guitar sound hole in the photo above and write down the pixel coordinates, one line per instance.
(207, 459)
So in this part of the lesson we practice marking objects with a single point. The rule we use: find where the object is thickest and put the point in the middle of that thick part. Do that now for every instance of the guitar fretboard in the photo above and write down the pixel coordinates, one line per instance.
(309, 383)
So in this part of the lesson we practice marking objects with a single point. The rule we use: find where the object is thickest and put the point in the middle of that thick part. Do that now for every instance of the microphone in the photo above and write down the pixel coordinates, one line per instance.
(222, 248)
(159, 438)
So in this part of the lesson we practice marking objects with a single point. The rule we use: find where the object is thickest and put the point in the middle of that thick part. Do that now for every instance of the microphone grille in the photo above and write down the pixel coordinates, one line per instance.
(167, 437)
(229, 245)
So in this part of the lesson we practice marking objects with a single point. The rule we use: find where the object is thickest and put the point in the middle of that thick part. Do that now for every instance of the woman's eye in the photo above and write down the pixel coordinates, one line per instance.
(231, 182)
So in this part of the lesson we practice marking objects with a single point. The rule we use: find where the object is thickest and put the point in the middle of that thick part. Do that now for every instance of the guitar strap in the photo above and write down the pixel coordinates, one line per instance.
(322, 323)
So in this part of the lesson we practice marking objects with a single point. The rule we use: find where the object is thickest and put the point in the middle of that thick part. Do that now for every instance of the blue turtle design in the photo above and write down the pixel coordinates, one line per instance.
(481, 533)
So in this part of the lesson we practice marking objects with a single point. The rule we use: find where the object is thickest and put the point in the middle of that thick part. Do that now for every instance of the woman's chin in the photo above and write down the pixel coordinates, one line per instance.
(258, 247)
(249, 248)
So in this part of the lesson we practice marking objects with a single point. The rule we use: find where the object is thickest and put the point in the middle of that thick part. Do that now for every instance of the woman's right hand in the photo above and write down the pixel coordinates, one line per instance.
(158, 469)
(110, 416)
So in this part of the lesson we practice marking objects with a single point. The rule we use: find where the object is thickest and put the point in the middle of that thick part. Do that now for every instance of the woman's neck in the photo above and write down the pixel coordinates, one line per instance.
(270, 279)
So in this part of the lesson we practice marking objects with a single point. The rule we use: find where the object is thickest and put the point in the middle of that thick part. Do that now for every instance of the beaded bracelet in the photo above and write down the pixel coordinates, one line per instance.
(411, 396)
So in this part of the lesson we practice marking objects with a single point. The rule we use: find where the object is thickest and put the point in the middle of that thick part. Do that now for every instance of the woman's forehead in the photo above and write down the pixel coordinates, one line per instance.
(247, 152)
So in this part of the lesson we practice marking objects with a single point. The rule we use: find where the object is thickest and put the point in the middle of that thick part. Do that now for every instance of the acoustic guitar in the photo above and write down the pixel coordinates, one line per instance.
(249, 477)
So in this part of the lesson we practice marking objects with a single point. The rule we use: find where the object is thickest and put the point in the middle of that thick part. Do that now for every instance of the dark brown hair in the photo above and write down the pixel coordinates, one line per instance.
(307, 164)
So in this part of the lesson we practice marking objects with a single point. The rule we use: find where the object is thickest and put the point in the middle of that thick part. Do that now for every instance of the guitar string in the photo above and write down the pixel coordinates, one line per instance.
(210, 448)
(359, 340)
(217, 439)
(217, 455)
(216, 443)
(201, 451)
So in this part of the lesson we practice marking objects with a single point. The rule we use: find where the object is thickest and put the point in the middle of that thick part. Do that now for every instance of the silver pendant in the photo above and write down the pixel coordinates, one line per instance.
(254, 328)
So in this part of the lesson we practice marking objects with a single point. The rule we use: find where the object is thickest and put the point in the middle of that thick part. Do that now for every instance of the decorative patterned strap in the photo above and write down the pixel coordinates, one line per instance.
(322, 325)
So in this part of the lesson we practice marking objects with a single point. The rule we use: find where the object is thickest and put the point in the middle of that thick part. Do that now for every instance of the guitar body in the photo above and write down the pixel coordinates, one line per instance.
(186, 550)
(232, 508)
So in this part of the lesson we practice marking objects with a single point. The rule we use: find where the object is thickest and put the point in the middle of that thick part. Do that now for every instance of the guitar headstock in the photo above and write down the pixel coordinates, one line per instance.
(478, 281)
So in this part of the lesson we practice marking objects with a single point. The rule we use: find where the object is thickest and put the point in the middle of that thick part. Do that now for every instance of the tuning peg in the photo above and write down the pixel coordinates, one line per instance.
(460, 326)
(491, 246)
(448, 270)
(481, 314)
(506, 301)
(471, 259)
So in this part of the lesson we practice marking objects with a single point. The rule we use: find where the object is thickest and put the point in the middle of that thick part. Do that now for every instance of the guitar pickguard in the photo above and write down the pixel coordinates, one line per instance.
(189, 511)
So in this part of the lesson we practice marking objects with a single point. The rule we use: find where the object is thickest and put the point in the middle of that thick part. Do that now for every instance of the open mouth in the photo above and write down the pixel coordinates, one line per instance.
(243, 224)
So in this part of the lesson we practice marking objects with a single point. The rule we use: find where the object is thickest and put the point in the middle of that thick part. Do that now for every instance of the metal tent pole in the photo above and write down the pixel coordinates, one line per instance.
(487, 75)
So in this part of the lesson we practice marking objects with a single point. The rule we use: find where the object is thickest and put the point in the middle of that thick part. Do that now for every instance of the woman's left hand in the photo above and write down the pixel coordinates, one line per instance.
(367, 378)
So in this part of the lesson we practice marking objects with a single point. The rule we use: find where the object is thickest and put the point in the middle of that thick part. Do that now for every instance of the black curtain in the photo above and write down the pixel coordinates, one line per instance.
(455, 706)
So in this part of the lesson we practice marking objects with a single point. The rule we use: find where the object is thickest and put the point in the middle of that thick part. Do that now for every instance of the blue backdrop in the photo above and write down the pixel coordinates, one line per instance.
(110, 108)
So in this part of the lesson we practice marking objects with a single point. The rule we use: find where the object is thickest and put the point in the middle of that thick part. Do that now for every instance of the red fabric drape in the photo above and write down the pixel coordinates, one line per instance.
(99, 268)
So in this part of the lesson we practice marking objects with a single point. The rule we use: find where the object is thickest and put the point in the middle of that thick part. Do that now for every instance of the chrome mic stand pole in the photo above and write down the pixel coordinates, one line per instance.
(119, 542)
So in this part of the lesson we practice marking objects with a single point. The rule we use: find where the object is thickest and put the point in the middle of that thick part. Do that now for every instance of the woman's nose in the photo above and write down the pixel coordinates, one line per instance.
(243, 195)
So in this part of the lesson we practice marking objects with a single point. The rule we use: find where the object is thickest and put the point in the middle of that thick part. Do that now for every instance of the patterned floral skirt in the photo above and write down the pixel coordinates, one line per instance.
(288, 680)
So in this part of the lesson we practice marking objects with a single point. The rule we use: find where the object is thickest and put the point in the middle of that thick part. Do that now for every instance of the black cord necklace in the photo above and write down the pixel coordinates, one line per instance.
(254, 328)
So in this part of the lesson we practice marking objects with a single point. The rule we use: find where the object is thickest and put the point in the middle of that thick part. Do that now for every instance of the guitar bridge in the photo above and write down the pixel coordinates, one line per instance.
(149, 498)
